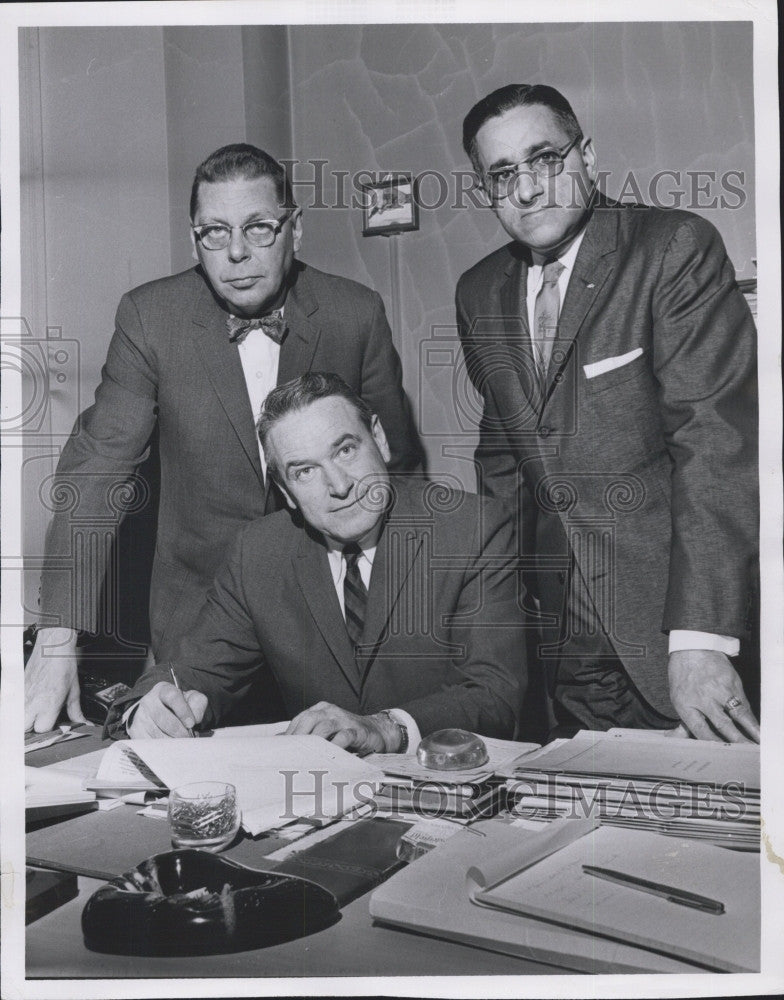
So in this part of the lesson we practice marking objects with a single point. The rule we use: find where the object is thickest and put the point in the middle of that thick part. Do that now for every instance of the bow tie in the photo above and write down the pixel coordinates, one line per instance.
(273, 325)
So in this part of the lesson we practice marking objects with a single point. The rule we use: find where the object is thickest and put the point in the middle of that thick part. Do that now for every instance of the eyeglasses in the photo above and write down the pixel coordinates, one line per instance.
(546, 163)
(259, 232)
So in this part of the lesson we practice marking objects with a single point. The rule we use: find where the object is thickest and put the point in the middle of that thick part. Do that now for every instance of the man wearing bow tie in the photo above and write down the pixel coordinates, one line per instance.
(616, 359)
(195, 355)
(386, 608)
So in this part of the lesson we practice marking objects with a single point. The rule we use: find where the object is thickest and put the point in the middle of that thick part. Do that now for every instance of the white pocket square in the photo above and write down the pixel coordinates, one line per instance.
(609, 364)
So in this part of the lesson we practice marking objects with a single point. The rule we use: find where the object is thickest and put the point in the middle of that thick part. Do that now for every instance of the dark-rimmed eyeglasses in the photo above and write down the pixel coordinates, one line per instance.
(543, 164)
(259, 232)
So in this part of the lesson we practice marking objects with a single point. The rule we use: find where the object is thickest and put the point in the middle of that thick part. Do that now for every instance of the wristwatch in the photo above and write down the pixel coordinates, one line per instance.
(401, 728)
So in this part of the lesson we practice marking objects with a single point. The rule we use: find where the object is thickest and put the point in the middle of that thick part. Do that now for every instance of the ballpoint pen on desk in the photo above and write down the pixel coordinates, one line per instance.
(177, 685)
(668, 892)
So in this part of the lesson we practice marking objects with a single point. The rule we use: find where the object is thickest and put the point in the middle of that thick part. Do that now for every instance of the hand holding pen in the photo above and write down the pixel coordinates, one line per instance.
(177, 685)
(167, 711)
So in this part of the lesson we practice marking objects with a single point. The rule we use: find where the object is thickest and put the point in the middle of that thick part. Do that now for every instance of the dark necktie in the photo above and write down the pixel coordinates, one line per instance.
(273, 325)
(354, 593)
(546, 309)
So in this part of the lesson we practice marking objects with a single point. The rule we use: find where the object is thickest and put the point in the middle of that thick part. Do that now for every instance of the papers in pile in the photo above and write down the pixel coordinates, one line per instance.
(410, 788)
(279, 779)
(678, 787)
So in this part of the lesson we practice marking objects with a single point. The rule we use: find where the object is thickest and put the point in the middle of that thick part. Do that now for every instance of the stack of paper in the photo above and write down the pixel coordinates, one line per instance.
(50, 793)
(678, 897)
(278, 778)
(678, 787)
(435, 896)
(408, 788)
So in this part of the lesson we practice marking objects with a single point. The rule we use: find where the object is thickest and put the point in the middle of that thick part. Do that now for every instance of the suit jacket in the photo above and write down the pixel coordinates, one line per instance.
(170, 364)
(442, 636)
(640, 456)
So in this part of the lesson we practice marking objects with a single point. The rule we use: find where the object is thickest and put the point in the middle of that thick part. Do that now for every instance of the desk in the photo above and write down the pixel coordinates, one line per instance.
(352, 947)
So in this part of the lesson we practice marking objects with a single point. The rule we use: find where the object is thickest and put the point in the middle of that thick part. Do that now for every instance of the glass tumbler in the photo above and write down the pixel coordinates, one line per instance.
(204, 814)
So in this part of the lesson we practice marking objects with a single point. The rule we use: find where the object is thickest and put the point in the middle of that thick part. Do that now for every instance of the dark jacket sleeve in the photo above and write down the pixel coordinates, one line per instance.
(95, 485)
(705, 362)
(220, 657)
(382, 390)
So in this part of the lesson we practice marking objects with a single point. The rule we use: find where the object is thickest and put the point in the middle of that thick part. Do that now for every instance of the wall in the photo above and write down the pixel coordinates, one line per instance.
(392, 97)
(99, 168)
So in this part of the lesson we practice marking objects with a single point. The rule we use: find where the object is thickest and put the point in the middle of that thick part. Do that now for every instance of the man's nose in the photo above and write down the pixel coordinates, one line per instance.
(527, 187)
(237, 248)
(338, 481)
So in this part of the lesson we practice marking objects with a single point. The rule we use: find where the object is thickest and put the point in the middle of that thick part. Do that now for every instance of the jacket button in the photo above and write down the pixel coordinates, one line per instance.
(544, 431)
(561, 576)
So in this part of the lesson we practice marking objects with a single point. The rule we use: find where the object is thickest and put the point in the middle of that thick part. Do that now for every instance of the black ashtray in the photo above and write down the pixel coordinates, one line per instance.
(192, 902)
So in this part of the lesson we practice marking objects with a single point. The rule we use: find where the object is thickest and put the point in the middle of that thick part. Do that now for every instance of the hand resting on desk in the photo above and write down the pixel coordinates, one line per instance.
(361, 734)
(165, 711)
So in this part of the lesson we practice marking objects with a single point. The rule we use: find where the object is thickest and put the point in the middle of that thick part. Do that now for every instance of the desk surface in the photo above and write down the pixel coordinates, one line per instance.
(355, 946)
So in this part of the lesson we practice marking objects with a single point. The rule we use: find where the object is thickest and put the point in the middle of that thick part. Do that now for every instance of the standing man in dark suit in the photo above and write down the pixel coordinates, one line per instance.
(616, 359)
(386, 609)
(195, 354)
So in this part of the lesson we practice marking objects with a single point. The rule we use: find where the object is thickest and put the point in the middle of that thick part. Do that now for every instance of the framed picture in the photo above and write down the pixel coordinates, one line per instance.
(390, 206)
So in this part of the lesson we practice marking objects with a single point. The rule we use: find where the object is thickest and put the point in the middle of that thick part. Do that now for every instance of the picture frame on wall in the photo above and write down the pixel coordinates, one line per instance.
(390, 205)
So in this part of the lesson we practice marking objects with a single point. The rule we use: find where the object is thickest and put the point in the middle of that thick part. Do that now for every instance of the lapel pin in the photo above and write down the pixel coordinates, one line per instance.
(590, 284)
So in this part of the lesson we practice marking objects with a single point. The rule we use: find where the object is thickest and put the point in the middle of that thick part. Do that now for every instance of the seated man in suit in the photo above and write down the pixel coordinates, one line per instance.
(192, 357)
(385, 608)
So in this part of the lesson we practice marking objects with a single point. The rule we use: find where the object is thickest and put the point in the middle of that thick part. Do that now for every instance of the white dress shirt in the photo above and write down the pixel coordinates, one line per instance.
(337, 567)
(260, 356)
(679, 638)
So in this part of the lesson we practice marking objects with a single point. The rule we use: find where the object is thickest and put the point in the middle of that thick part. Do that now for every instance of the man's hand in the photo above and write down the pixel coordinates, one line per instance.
(51, 680)
(362, 734)
(702, 681)
(165, 711)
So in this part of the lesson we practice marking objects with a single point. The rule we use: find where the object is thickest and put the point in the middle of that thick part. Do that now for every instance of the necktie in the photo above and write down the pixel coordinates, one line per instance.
(354, 593)
(273, 325)
(546, 309)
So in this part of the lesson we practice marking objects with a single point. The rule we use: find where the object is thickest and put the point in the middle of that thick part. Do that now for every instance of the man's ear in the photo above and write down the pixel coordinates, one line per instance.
(589, 157)
(194, 252)
(380, 438)
(296, 229)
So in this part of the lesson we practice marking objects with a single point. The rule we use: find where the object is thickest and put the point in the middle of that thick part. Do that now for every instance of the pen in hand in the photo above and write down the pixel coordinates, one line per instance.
(177, 685)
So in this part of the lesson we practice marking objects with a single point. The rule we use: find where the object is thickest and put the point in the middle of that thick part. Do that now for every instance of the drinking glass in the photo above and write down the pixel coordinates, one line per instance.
(204, 814)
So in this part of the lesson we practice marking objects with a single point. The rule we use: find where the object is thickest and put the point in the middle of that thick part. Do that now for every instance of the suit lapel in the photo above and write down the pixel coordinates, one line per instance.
(397, 554)
(222, 364)
(299, 347)
(311, 569)
(594, 264)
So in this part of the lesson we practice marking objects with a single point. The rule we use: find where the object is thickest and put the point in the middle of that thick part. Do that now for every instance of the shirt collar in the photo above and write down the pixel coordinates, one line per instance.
(567, 257)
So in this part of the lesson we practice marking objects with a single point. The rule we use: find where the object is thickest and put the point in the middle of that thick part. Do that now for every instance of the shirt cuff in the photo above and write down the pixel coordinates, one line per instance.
(686, 639)
(414, 735)
(127, 716)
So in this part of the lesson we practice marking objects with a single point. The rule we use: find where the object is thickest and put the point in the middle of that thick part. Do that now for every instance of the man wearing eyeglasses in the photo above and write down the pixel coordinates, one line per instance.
(195, 354)
(616, 359)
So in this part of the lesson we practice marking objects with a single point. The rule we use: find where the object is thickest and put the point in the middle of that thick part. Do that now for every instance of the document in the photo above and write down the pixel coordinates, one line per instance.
(552, 886)
(52, 793)
(672, 758)
(432, 896)
(278, 778)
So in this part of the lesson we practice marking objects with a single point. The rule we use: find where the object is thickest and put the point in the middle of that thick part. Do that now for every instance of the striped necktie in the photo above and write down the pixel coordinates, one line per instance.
(546, 309)
(354, 593)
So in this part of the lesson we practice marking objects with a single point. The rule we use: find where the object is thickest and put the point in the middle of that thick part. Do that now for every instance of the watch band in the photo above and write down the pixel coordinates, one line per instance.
(403, 748)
